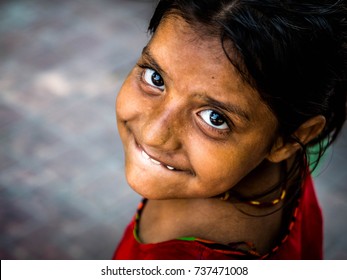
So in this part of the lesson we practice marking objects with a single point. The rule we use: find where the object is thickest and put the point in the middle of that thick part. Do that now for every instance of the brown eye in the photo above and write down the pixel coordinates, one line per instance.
(214, 119)
(153, 78)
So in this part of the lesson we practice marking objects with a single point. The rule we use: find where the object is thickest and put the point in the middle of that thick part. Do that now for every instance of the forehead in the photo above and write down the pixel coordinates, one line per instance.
(176, 35)
(185, 49)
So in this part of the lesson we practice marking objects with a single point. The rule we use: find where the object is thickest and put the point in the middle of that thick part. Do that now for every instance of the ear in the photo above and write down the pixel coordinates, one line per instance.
(305, 133)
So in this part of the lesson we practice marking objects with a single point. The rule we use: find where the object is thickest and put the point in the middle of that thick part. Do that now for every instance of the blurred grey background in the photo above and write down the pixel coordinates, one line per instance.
(63, 194)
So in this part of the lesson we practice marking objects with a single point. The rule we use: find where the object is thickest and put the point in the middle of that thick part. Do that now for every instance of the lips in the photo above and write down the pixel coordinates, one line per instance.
(154, 161)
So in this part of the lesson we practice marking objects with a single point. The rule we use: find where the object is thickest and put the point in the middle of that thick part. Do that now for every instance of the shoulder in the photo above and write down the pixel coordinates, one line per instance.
(207, 219)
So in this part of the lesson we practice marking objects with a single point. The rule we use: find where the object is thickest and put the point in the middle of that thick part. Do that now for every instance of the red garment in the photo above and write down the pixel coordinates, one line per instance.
(303, 241)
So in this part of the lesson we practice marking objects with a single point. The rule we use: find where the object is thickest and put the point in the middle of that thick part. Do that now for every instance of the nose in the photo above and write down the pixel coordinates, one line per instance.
(163, 128)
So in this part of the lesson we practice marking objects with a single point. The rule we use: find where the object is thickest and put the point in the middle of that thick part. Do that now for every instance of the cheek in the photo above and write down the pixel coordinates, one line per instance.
(218, 168)
(224, 167)
(126, 103)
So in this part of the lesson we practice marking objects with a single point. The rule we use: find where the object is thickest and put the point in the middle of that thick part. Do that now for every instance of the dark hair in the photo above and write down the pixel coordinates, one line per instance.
(292, 52)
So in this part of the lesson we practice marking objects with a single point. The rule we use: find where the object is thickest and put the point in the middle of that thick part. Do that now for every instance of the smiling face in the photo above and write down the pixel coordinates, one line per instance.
(190, 126)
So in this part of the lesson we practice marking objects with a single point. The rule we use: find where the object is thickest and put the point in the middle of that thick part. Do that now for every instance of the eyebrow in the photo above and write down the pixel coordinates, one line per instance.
(146, 54)
(227, 106)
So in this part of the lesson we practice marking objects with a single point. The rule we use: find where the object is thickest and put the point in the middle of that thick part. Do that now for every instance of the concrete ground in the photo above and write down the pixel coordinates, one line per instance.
(63, 194)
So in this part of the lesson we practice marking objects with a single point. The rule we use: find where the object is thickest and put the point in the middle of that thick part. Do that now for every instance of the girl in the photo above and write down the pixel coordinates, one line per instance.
(217, 119)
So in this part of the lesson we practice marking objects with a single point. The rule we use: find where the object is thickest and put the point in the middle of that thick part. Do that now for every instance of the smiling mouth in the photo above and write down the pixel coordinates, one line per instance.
(147, 157)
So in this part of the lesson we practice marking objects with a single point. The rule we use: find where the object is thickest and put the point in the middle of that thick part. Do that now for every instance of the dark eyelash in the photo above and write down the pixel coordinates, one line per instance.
(226, 119)
(144, 66)
(140, 74)
(218, 131)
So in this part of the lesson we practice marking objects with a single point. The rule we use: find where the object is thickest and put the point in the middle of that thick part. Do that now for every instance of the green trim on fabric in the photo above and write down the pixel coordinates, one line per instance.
(186, 238)
(313, 157)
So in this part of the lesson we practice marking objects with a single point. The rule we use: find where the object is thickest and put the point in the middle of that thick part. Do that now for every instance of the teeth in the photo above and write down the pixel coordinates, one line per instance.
(154, 161)
(145, 155)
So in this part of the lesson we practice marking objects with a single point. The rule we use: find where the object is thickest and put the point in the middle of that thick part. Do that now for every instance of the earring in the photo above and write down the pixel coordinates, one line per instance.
(226, 196)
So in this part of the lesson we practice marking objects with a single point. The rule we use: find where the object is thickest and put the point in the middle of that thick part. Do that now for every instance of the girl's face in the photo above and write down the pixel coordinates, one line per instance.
(190, 126)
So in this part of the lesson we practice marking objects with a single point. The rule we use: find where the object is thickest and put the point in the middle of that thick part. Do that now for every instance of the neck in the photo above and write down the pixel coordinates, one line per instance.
(264, 182)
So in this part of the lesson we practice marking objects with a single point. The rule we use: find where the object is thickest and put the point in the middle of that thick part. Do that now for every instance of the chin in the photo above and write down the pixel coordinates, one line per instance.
(143, 188)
